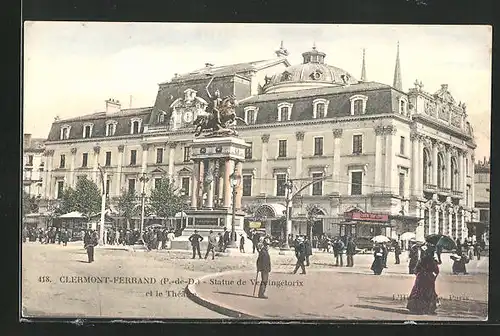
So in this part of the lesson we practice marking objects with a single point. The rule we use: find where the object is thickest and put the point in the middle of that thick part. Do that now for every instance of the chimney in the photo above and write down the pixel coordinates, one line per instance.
(208, 65)
(112, 106)
(27, 140)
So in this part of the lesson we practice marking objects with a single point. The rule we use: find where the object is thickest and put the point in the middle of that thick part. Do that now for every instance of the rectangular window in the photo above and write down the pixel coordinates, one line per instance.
(60, 189)
(131, 185)
(108, 183)
(187, 154)
(247, 185)
(467, 166)
(320, 110)
(317, 187)
(86, 131)
(402, 146)
(157, 183)
(356, 183)
(30, 160)
(318, 146)
(358, 107)
(284, 114)
(357, 144)
(62, 162)
(108, 159)
(402, 184)
(133, 157)
(185, 185)
(250, 117)
(159, 155)
(248, 151)
(282, 148)
(467, 196)
(484, 215)
(85, 159)
(135, 127)
(280, 184)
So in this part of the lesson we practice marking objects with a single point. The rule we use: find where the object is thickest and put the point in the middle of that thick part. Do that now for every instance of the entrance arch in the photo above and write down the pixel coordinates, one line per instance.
(317, 215)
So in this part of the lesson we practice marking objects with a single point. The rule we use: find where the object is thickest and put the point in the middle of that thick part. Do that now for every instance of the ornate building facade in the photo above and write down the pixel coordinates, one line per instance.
(360, 157)
(480, 229)
(33, 165)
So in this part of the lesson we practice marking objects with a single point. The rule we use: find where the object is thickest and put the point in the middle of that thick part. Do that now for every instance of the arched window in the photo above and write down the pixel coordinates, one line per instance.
(358, 104)
(454, 174)
(426, 167)
(284, 111)
(135, 126)
(358, 107)
(440, 171)
(320, 107)
(402, 106)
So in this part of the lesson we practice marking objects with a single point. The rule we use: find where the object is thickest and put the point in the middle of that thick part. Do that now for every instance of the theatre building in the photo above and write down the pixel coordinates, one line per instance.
(399, 160)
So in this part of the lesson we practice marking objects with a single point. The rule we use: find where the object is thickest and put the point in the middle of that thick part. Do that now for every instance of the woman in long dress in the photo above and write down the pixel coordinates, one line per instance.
(423, 297)
(378, 260)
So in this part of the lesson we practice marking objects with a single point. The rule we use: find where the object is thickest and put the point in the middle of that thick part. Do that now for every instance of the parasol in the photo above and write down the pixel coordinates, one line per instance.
(407, 236)
(380, 239)
(447, 243)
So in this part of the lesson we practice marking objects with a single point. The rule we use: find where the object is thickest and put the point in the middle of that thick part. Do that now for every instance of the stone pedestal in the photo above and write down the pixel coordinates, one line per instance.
(215, 160)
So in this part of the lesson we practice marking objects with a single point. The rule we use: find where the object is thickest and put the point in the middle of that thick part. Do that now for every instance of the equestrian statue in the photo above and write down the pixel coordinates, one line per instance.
(220, 117)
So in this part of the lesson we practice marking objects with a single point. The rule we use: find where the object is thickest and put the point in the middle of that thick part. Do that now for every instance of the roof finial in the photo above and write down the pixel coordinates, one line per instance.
(314, 45)
(397, 83)
(281, 52)
(363, 68)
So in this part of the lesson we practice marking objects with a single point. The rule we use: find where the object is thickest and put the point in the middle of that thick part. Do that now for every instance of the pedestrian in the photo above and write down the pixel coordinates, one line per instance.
(242, 243)
(226, 239)
(170, 238)
(350, 252)
(459, 261)
(105, 237)
(459, 247)
(477, 250)
(470, 250)
(378, 259)
(385, 254)
(423, 297)
(195, 240)
(439, 250)
(117, 237)
(413, 256)
(264, 267)
(255, 240)
(300, 254)
(338, 247)
(397, 253)
(308, 248)
(212, 243)
(220, 242)
(90, 240)
(64, 237)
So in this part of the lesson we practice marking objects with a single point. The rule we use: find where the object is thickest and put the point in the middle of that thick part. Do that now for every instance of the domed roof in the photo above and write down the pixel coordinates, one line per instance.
(313, 72)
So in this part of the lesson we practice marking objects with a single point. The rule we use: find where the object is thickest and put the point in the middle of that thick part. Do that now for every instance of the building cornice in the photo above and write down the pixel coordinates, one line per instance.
(445, 128)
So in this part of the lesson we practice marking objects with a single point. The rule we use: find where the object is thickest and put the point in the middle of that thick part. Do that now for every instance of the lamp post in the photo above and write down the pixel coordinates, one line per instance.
(288, 200)
(103, 204)
(183, 193)
(235, 180)
(144, 179)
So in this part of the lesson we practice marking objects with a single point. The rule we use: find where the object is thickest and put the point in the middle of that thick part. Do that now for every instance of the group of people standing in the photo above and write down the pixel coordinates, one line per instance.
(50, 235)
(216, 242)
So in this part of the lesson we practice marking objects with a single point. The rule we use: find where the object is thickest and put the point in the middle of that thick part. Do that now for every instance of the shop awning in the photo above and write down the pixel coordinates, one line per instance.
(74, 214)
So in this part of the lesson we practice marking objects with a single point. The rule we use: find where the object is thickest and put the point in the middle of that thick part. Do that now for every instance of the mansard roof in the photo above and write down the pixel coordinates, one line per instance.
(238, 68)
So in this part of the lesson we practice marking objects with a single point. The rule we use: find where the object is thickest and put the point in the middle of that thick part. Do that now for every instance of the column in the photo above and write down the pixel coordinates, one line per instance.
(449, 173)
(460, 164)
(263, 163)
(228, 169)
(95, 170)
(463, 226)
(415, 173)
(220, 180)
(118, 181)
(337, 137)
(198, 166)
(171, 159)
(299, 152)
(379, 166)
(144, 157)
(210, 186)
(434, 163)
(72, 167)
(239, 186)
(430, 221)
(472, 184)
(48, 173)
(390, 174)
(450, 222)
(436, 215)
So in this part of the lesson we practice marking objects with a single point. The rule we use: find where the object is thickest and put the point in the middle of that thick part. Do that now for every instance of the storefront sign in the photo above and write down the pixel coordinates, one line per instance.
(207, 222)
(254, 225)
(366, 216)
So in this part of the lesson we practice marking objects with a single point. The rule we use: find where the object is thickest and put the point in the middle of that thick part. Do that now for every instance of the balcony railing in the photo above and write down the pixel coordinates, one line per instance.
(457, 193)
(444, 190)
(430, 187)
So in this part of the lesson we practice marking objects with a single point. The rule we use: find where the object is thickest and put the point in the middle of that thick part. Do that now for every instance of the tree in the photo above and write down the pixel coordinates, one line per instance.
(127, 205)
(85, 198)
(166, 200)
(29, 204)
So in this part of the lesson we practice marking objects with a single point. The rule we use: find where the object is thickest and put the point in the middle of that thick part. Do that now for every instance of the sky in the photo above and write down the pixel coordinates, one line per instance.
(71, 68)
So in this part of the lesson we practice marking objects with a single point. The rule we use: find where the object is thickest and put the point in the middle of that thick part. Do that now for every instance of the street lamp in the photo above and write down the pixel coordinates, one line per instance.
(144, 179)
(103, 204)
(235, 180)
(288, 199)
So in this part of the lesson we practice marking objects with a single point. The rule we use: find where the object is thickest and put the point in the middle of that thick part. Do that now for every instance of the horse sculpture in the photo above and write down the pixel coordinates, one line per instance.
(209, 122)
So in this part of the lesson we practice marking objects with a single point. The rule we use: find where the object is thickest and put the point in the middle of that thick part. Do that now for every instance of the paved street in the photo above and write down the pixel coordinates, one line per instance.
(347, 293)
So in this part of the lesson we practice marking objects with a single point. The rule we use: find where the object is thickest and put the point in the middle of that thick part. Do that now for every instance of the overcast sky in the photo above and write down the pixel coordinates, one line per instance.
(70, 68)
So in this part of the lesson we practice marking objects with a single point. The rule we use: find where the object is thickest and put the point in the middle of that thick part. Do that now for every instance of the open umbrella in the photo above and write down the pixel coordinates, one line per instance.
(446, 243)
(407, 236)
(433, 238)
(380, 239)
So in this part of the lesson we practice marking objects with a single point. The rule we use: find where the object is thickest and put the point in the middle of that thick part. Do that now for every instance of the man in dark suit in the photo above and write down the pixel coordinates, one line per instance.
(350, 251)
(308, 248)
(212, 243)
(90, 240)
(195, 240)
(300, 254)
(264, 267)
(225, 237)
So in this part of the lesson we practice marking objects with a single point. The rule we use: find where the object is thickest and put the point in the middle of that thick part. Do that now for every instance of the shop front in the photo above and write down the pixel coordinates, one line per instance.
(270, 217)
(366, 225)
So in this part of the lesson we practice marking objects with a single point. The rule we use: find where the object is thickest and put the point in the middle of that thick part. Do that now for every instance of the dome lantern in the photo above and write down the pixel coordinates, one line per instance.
(314, 56)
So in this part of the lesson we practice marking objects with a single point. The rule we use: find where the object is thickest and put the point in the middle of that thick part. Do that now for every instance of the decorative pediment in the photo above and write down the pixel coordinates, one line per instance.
(281, 170)
(158, 170)
(185, 172)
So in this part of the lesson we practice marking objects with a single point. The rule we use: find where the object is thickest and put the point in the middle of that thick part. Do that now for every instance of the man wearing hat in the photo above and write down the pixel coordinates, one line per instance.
(300, 254)
(195, 240)
(263, 266)
(242, 243)
(212, 242)
(225, 238)
(413, 256)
